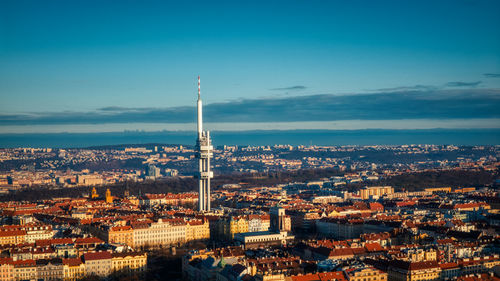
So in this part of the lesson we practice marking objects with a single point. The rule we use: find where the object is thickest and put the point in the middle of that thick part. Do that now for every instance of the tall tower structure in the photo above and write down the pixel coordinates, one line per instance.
(204, 152)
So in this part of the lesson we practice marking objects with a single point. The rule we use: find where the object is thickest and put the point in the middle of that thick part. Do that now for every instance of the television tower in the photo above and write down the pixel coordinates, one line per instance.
(204, 152)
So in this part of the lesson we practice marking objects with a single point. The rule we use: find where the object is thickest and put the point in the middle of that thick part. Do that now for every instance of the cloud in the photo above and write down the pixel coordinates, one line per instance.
(292, 88)
(425, 88)
(408, 88)
(492, 75)
(463, 84)
(435, 104)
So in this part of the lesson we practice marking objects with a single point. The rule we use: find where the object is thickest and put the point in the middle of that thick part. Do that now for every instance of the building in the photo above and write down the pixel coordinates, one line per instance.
(74, 269)
(152, 172)
(258, 223)
(160, 233)
(204, 152)
(261, 239)
(12, 237)
(401, 270)
(38, 232)
(279, 221)
(197, 230)
(98, 264)
(121, 235)
(50, 269)
(227, 227)
(25, 270)
(366, 273)
(375, 191)
(6, 269)
(89, 180)
(94, 194)
(128, 263)
(109, 198)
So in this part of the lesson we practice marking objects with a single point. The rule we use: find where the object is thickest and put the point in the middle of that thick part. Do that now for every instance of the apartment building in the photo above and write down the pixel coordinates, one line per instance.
(98, 264)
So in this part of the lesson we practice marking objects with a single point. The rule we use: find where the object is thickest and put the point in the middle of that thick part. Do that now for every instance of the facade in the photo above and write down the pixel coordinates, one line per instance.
(259, 239)
(204, 152)
(258, 223)
(375, 191)
(227, 227)
(400, 270)
(12, 237)
(161, 233)
(6, 269)
(197, 230)
(98, 264)
(38, 232)
(279, 221)
(128, 263)
(89, 180)
(108, 197)
(74, 269)
(25, 270)
(121, 235)
(367, 273)
(50, 269)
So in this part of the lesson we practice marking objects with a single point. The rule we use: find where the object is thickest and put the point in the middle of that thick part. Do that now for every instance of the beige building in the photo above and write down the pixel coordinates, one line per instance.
(128, 263)
(258, 223)
(227, 227)
(50, 269)
(38, 232)
(197, 230)
(121, 235)
(265, 238)
(25, 270)
(160, 233)
(89, 180)
(417, 255)
(74, 269)
(367, 273)
(12, 237)
(98, 264)
(6, 269)
(375, 191)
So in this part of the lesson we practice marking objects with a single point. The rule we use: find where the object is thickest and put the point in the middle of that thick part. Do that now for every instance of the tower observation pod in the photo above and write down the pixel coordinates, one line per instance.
(204, 151)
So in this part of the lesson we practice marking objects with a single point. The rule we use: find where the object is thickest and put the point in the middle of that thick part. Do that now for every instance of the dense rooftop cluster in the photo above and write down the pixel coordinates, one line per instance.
(340, 226)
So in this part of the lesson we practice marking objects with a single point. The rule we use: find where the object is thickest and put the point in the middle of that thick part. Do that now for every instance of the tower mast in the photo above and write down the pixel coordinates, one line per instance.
(204, 152)
(200, 106)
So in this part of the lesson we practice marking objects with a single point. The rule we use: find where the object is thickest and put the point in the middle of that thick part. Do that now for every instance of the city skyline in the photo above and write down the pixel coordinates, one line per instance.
(119, 63)
(353, 140)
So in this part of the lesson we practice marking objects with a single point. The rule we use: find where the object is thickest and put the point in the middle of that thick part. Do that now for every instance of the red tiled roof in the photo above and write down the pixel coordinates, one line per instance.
(7, 233)
(24, 263)
(6, 260)
(54, 241)
(448, 265)
(73, 261)
(121, 228)
(88, 240)
(373, 247)
(97, 256)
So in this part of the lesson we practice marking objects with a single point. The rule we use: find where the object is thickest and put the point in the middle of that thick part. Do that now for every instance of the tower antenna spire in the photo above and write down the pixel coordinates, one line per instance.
(204, 152)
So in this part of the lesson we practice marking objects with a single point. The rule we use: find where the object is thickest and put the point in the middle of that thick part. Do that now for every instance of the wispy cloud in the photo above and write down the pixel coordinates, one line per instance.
(424, 88)
(408, 88)
(463, 84)
(492, 75)
(292, 88)
(434, 104)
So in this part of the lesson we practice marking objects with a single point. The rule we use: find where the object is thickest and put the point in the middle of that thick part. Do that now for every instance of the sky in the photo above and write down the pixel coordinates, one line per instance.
(97, 65)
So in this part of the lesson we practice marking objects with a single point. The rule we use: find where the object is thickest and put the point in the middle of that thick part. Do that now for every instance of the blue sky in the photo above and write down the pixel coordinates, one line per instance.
(74, 58)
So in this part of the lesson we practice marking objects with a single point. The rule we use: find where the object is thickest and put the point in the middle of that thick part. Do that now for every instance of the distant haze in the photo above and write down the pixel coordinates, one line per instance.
(293, 137)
